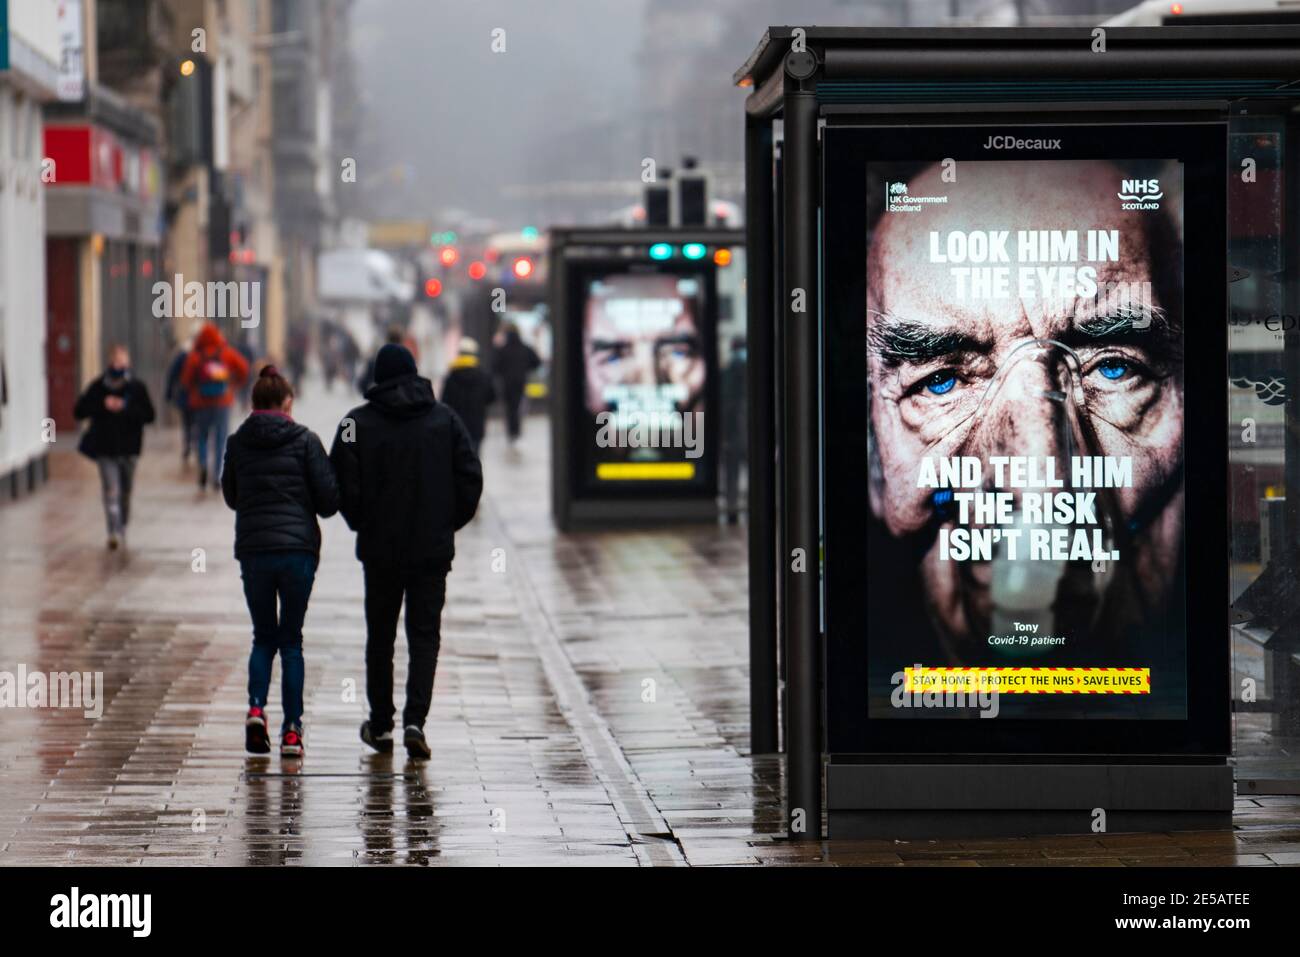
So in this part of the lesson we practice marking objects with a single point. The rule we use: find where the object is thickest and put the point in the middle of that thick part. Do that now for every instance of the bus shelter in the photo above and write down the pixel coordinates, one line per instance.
(648, 330)
(1021, 326)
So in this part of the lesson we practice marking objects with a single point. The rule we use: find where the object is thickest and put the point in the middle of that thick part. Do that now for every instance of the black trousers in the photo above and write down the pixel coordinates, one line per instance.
(514, 400)
(425, 590)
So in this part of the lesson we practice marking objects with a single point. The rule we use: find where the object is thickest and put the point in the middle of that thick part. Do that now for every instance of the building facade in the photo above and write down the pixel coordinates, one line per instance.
(29, 58)
(104, 225)
(163, 145)
(316, 114)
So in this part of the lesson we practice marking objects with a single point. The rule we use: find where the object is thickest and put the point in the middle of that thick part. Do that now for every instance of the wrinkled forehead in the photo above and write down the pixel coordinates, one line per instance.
(1044, 197)
(638, 312)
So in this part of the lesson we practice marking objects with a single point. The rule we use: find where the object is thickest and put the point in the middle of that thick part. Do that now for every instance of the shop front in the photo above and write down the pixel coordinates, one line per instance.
(103, 232)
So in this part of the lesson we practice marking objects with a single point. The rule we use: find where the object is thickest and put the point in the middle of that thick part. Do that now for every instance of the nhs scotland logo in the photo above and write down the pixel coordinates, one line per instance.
(1140, 194)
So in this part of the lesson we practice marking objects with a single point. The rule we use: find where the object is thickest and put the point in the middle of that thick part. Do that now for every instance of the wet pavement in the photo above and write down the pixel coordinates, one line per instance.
(591, 703)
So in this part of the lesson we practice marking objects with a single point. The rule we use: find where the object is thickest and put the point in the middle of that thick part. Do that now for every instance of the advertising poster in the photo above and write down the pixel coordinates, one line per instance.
(1025, 446)
(645, 379)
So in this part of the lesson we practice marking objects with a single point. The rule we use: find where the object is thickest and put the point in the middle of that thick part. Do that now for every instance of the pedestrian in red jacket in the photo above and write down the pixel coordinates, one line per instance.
(213, 375)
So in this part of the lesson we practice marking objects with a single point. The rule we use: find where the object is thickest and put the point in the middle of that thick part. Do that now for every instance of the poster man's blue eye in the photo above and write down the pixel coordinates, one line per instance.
(940, 382)
(1114, 368)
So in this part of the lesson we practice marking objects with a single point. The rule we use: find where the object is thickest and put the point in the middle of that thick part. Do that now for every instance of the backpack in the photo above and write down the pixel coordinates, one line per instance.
(214, 377)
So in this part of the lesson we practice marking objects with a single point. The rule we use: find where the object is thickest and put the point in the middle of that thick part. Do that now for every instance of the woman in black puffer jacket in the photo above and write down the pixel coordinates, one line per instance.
(277, 478)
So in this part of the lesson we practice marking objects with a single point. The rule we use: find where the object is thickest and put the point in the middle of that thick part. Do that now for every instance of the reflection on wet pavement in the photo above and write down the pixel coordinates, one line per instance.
(591, 704)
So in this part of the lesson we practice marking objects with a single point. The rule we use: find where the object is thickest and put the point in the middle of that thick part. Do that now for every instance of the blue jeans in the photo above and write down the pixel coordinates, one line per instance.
(288, 576)
(116, 474)
(214, 422)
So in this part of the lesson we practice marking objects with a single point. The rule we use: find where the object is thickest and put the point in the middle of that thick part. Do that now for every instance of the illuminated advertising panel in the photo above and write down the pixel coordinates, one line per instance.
(1015, 317)
(646, 363)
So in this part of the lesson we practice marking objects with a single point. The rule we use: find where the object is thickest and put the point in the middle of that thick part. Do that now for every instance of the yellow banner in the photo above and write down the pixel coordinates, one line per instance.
(1029, 680)
(620, 471)
(391, 233)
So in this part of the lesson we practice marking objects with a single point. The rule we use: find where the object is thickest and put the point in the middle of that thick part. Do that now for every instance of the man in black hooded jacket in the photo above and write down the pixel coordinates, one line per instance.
(119, 408)
(408, 480)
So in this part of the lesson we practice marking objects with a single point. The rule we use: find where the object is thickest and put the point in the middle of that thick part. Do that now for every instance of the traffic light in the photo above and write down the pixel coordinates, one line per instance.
(693, 199)
(448, 255)
(188, 111)
(477, 270)
(658, 203)
(433, 288)
(523, 267)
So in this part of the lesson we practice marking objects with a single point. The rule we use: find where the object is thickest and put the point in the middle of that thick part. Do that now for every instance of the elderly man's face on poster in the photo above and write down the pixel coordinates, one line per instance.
(1021, 321)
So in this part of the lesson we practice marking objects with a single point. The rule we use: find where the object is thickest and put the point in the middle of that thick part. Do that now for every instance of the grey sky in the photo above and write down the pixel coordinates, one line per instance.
(466, 120)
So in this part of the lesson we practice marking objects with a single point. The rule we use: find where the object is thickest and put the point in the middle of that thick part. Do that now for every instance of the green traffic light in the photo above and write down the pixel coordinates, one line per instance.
(661, 251)
(694, 250)
(529, 232)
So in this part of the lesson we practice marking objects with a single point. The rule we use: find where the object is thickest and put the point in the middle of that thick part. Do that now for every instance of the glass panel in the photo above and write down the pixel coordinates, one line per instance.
(1265, 584)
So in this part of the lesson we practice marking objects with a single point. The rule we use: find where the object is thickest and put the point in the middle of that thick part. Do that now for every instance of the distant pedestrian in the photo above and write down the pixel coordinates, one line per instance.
(468, 390)
(118, 407)
(513, 363)
(212, 375)
(367, 378)
(408, 480)
(332, 353)
(299, 346)
(247, 348)
(349, 355)
(178, 396)
(735, 434)
(277, 478)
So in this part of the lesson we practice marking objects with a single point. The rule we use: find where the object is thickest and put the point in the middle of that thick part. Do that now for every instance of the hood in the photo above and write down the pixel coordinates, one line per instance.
(209, 338)
(263, 431)
(406, 397)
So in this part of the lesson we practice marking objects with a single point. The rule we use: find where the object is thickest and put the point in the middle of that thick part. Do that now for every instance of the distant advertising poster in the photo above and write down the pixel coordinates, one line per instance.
(1025, 414)
(646, 365)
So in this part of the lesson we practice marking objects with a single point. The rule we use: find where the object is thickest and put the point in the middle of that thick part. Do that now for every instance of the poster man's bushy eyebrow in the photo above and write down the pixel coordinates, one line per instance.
(896, 341)
(1127, 318)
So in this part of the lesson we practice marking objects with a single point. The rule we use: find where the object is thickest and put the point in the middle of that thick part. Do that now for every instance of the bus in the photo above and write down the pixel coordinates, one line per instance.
(1195, 13)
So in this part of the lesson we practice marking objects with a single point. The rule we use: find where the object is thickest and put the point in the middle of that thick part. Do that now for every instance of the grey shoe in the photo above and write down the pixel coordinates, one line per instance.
(416, 746)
